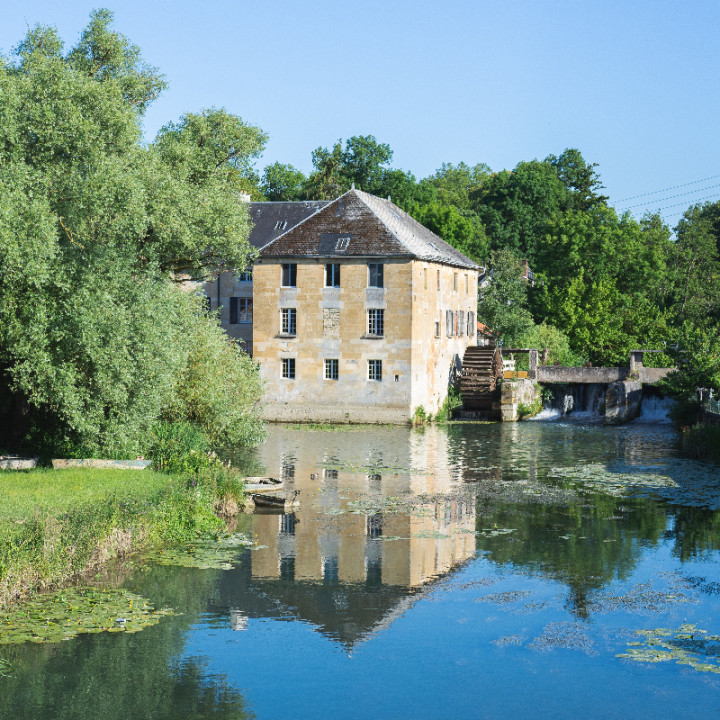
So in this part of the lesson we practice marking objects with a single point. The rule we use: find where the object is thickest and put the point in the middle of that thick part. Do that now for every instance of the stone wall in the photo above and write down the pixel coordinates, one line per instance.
(559, 374)
(623, 402)
(332, 324)
(513, 393)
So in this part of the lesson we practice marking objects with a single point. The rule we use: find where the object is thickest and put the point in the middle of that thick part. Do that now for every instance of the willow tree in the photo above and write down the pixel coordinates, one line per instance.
(96, 229)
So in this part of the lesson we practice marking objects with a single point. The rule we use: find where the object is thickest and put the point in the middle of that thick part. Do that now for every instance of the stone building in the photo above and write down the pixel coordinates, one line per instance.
(232, 293)
(360, 314)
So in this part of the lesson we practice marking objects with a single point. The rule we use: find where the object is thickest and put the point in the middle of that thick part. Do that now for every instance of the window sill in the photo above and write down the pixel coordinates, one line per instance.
(286, 336)
(369, 336)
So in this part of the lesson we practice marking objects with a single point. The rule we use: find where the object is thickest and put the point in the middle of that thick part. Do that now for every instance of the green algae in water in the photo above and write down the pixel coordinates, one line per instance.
(62, 615)
(681, 482)
(687, 645)
(204, 554)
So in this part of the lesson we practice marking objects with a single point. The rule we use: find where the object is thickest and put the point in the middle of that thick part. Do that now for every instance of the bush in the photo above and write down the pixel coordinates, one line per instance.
(452, 401)
(219, 391)
(702, 442)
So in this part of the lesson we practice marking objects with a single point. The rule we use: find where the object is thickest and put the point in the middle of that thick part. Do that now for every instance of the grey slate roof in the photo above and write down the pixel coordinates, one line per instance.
(272, 219)
(361, 225)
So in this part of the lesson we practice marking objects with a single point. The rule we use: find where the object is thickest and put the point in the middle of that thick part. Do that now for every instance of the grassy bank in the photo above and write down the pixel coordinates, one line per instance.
(58, 524)
(702, 441)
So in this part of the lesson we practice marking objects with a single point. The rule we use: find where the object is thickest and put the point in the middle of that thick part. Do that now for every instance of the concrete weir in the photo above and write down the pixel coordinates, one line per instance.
(615, 393)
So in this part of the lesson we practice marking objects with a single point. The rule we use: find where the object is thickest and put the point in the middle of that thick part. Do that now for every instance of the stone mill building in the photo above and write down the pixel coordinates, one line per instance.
(354, 310)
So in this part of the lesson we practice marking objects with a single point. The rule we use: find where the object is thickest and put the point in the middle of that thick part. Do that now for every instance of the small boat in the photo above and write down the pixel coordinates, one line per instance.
(278, 503)
(262, 485)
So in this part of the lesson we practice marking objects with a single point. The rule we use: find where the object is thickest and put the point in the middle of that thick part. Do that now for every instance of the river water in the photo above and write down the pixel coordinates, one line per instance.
(543, 570)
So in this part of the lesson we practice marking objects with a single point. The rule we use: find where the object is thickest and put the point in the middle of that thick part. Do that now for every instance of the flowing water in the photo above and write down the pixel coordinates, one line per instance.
(544, 570)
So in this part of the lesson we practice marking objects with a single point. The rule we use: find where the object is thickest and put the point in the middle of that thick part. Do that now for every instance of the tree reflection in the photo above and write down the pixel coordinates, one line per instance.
(584, 545)
(120, 676)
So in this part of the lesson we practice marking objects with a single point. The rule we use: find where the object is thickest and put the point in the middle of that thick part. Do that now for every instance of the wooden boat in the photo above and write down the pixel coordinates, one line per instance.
(276, 503)
(262, 485)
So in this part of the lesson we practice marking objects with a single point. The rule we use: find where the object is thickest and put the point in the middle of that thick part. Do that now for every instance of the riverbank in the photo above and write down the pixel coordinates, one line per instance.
(57, 525)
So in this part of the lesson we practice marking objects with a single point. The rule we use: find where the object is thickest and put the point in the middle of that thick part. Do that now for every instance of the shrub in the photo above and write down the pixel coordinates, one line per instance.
(452, 401)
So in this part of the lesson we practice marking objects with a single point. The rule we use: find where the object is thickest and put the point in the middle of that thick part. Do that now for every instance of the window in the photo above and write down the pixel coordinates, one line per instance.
(288, 368)
(424, 278)
(342, 244)
(437, 328)
(331, 369)
(449, 323)
(438, 279)
(289, 274)
(289, 321)
(241, 310)
(375, 275)
(471, 324)
(466, 282)
(461, 323)
(245, 276)
(376, 322)
(374, 369)
(332, 275)
(281, 224)
(454, 282)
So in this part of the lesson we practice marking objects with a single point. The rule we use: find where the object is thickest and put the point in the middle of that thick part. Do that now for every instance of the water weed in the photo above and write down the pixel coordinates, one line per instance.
(62, 615)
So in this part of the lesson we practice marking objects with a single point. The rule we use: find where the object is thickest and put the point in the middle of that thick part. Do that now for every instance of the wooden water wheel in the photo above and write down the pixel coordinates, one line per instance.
(481, 369)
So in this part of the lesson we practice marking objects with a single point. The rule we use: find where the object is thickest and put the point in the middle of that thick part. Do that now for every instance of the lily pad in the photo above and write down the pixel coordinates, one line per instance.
(686, 645)
(204, 555)
(62, 615)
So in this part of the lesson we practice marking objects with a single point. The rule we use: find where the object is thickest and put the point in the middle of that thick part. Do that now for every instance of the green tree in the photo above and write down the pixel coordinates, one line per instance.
(502, 304)
(94, 226)
(579, 178)
(695, 263)
(599, 281)
(517, 207)
(456, 183)
(283, 182)
(464, 232)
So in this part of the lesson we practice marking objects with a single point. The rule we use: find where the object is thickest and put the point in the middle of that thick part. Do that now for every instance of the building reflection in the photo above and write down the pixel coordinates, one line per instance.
(370, 533)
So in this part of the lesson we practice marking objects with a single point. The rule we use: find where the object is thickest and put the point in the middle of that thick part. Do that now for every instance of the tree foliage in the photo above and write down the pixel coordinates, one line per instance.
(502, 303)
(94, 227)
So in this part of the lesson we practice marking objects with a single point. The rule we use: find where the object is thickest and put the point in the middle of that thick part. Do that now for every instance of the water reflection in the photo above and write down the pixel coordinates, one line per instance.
(495, 561)
(121, 675)
(385, 513)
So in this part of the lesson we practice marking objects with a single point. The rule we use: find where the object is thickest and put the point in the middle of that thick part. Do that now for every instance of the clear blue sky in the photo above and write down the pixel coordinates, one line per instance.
(633, 84)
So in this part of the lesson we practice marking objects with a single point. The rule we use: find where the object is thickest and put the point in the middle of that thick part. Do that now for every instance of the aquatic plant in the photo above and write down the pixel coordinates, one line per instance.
(53, 617)
(686, 645)
(216, 554)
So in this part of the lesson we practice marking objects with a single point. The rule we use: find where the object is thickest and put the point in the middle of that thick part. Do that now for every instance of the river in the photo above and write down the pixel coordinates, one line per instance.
(543, 570)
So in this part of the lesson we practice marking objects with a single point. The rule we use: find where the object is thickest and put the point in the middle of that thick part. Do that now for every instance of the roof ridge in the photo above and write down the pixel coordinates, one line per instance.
(409, 220)
(312, 214)
(361, 196)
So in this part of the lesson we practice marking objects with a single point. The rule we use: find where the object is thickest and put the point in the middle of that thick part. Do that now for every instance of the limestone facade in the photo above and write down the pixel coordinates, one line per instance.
(415, 353)
(379, 342)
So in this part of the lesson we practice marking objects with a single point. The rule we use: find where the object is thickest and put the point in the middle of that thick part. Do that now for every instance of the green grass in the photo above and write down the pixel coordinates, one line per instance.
(58, 524)
(25, 493)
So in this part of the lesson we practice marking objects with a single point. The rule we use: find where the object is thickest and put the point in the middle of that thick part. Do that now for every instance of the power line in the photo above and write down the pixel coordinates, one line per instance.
(709, 197)
(674, 187)
(671, 197)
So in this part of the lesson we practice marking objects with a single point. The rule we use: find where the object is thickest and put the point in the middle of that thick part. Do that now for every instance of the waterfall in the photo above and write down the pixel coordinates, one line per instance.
(585, 403)
(655, 407)
(576, 402)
